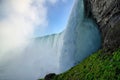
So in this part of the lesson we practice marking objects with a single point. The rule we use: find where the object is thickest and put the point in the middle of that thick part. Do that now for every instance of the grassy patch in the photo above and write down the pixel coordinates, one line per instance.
(98, 66)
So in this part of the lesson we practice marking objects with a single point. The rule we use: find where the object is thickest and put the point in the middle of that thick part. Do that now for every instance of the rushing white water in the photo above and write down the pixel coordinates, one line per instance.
(55, 53)
(81, 38)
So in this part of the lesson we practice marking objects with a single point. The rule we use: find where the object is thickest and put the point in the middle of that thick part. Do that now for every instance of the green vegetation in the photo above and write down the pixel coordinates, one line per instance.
(98, 66)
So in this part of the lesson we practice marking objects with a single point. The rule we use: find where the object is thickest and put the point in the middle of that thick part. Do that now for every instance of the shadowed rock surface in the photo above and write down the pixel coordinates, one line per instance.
(50, 76)
(107, 15)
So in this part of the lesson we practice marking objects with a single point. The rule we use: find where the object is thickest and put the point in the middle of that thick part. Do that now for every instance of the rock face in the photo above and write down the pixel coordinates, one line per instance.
(50, 76)
(107, 15)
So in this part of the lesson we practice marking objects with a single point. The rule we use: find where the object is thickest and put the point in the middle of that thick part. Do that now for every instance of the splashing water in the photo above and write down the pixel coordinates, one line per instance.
(55, 53)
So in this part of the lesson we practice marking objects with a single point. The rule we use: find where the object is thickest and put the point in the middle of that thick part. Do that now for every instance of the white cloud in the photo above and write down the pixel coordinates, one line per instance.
(19, 21)
(21, 17)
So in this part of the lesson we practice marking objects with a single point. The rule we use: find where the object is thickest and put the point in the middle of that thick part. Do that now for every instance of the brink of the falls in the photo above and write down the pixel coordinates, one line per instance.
(54, 53)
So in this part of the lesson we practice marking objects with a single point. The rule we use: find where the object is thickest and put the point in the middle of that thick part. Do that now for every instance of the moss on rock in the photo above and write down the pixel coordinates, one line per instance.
(98, 66)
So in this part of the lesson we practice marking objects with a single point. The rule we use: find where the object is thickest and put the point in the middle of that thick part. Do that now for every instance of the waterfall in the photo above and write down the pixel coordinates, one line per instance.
(81, 38)
(54, 53)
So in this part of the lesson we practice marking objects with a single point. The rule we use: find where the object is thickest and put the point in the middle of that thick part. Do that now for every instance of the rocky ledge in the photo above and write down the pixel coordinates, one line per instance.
(107, 15)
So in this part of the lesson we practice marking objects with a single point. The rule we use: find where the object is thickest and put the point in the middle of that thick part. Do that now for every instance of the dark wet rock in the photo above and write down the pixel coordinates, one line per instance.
(50, 76)
(107, 15)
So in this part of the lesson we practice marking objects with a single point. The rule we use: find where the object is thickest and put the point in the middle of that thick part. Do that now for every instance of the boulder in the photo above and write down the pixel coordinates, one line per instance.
(49, 76)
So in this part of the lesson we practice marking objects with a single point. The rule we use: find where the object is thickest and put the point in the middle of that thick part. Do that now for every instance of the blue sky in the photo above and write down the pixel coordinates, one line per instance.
(23, 19)
(57, 16)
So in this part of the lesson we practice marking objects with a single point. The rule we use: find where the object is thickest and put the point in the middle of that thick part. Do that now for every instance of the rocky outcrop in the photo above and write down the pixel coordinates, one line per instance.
(49, 76)
(107, 15)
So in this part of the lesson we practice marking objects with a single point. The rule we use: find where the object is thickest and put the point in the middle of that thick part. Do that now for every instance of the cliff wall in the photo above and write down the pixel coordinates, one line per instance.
(107, 16)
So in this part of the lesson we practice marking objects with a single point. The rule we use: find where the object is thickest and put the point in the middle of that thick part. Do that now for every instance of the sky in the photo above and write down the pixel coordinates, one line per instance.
(21, 20)
(57, 16)
(33, 17)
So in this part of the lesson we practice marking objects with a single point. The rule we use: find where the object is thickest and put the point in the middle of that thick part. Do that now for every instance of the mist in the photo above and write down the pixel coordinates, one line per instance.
(25, 58)
(20, 58)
